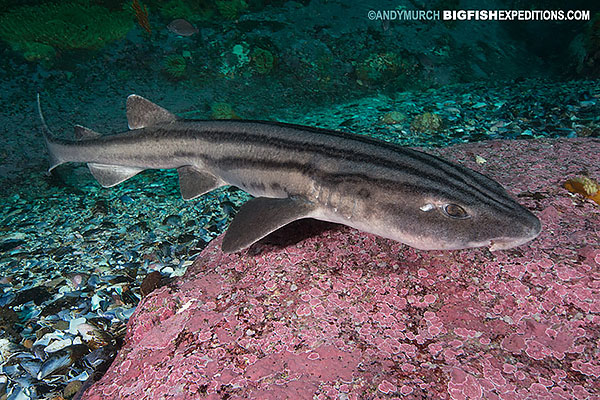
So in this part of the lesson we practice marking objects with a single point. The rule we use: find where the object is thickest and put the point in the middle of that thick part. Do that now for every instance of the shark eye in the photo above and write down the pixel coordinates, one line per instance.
(455, 211)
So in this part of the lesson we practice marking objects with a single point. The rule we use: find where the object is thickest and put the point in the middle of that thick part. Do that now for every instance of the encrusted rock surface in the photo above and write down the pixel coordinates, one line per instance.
(344, 314)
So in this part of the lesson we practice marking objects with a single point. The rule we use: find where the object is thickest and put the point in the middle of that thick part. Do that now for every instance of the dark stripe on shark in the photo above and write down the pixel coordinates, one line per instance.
(423, 157)
(410, 184)
(411, 173)
(401, 158)
(332, 150)
(469, 178)
(417, 174)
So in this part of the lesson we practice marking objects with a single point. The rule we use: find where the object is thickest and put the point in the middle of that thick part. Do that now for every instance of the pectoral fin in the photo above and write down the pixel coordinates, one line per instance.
(111, 175)
(194, 183)
(261, 216)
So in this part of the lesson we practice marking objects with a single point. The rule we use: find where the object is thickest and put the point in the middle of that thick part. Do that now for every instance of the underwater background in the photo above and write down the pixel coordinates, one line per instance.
(75, 259)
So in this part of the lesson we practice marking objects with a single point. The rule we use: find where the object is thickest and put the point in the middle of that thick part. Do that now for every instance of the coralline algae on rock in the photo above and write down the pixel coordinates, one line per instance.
(348, 315)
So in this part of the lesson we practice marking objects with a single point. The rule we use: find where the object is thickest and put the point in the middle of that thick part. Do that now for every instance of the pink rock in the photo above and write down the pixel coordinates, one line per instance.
(344, 312)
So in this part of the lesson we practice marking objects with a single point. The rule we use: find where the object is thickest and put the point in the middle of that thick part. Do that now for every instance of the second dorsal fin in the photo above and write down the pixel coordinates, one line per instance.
(142, 113)
(82, 133)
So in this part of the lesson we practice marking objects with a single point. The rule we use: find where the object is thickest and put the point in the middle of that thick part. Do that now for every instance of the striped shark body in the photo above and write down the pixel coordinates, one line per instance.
(297, 172)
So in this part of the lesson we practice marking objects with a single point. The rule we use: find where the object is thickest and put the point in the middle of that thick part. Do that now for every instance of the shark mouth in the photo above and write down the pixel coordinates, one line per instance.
(506, 243)
(501, 243)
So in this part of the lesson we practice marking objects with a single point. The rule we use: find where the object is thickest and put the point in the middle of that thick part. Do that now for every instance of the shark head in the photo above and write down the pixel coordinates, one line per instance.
(472, 212)
(449, 224)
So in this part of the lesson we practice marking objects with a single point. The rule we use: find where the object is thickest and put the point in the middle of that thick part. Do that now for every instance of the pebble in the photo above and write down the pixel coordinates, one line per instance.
(126, 199)
(10, 244)
(150, 282)
(71, 389)
(172, 220)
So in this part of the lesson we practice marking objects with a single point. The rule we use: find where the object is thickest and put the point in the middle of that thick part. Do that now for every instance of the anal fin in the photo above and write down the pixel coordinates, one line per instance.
(261, 216)
(111, 175)
(194, 183)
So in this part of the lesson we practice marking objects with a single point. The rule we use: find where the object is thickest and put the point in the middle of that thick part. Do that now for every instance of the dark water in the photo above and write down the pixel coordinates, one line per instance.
(73, 254)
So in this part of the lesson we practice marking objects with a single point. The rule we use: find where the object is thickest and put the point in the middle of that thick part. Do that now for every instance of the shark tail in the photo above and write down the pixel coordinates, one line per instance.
(51, 144)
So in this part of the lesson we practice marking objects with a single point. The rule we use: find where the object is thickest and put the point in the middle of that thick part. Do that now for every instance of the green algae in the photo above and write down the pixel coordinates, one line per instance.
(38, 32)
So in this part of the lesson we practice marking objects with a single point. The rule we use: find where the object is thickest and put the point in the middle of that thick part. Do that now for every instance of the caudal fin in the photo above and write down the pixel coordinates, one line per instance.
(49, 138)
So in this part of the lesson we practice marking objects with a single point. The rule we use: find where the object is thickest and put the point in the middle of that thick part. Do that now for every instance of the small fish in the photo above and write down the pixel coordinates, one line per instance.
(182, 27)
(298, 172)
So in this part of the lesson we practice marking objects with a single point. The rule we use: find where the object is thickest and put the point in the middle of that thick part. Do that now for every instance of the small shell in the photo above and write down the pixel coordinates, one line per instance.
(32, 366)
(94, 336)
(22, 393)
(54, 363)
(58, 345)
(100, 356)
(74, 323)
(3, 383)
(48, 338)
(7, 348)
(61, 360)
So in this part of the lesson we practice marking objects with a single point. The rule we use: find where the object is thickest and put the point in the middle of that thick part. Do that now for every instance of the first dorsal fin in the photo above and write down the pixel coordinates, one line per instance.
(142, 113)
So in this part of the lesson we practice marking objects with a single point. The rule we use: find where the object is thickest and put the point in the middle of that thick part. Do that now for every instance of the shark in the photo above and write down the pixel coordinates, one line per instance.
(295, 172)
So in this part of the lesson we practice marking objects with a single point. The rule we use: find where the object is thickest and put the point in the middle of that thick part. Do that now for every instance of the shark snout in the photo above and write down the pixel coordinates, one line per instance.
(529, 228)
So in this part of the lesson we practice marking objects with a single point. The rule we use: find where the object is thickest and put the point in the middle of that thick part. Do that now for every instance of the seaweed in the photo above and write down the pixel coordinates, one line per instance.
(175, 66)
(221, 110)
(231, 9)
(39, 31)
(263, 60)
(427, 123)
(141, 14)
